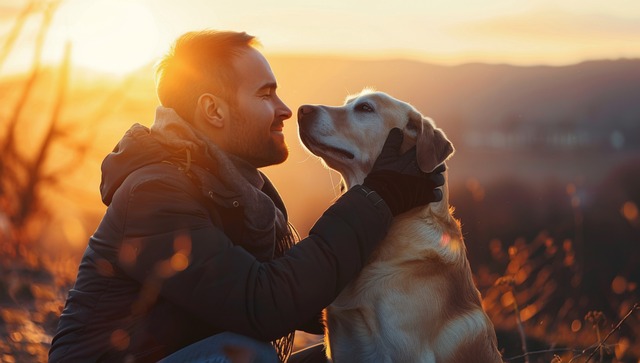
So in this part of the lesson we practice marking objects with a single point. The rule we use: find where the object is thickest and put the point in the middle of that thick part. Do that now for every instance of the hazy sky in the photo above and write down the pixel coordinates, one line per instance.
(122, 33)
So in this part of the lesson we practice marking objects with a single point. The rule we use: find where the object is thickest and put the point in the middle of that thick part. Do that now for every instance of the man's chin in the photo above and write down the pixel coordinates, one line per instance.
(284, 155)
(273, 158)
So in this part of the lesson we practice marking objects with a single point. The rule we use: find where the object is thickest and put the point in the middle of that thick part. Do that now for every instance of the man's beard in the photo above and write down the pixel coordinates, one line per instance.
(248, 145)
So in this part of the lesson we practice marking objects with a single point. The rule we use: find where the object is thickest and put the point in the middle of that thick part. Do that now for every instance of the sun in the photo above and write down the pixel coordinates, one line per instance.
(114, 36)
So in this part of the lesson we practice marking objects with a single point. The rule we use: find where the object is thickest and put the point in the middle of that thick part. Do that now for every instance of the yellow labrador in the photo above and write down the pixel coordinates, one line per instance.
(415, 301)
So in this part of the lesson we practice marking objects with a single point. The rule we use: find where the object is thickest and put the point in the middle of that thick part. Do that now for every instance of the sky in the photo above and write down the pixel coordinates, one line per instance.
(119, 35)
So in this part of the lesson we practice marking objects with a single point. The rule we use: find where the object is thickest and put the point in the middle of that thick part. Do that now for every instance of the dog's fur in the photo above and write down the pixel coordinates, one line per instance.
(415, 300)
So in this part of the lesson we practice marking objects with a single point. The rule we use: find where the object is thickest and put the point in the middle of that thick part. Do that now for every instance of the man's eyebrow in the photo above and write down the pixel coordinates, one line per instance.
(269, 85)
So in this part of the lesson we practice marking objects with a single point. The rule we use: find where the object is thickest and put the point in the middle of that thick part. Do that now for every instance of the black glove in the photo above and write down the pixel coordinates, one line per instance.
(398, 179)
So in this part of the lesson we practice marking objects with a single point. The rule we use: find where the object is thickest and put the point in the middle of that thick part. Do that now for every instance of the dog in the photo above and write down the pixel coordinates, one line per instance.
(415, 300)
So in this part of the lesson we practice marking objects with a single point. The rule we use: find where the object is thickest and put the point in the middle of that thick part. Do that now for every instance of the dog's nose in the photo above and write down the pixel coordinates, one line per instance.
(305, 110)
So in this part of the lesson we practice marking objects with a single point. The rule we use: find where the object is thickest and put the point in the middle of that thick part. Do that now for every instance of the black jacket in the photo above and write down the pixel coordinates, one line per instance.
(135, 298)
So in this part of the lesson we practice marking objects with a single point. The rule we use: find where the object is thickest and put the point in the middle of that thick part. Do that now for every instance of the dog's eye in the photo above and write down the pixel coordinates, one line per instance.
(364, 107)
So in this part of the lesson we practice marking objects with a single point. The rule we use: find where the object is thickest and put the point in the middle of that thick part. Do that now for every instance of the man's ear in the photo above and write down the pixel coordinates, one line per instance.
(213, 110)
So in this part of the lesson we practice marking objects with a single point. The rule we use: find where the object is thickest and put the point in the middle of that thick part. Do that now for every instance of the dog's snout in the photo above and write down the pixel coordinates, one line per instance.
(306, 110)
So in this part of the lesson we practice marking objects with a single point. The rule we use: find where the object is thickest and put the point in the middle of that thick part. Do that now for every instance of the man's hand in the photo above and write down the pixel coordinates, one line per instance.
(398, 179)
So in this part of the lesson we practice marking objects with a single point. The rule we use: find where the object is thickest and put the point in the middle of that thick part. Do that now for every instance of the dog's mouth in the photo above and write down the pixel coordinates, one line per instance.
(315, 146)
(344, 153)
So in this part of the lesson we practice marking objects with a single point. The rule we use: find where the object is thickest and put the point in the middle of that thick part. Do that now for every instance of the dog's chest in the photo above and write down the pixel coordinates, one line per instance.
(398, 278)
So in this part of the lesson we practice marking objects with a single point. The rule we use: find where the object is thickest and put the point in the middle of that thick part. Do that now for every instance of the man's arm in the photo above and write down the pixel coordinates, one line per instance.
(226, 286)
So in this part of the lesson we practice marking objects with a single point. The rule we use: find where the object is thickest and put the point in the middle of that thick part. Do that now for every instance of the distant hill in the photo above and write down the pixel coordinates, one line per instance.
(602, 96)
(569, 124)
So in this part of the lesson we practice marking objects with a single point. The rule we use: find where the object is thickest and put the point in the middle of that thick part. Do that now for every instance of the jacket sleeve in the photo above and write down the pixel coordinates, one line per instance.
(223, 284)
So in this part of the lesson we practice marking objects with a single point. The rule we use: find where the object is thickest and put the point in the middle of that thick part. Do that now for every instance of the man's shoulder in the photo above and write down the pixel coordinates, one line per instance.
(166, 174)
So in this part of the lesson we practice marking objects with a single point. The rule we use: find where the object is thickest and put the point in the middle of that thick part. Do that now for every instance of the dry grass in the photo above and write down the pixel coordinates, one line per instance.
(33, 289)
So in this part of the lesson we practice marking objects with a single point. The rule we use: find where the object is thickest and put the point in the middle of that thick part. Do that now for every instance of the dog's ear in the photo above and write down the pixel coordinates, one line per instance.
(432, 146)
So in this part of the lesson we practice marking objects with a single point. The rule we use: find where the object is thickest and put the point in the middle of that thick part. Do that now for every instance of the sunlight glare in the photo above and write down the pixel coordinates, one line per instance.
(114, 36)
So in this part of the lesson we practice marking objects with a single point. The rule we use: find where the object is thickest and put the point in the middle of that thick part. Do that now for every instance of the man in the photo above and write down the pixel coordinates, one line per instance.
(195, 241)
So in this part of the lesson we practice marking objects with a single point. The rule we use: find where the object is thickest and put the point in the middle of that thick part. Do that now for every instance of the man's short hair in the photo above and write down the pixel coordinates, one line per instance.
(199, 62)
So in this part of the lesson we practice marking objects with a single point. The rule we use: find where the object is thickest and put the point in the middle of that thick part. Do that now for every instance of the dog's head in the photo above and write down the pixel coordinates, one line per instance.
(350, 137)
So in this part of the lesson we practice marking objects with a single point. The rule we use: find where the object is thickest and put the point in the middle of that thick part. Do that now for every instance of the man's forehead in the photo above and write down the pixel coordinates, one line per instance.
(254, 70)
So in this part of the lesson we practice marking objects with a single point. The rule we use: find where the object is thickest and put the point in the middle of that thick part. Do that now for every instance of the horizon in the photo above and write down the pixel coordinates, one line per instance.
(19, 73)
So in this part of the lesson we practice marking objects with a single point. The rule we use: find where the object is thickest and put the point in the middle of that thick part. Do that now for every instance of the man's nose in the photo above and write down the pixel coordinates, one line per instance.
(285, 111)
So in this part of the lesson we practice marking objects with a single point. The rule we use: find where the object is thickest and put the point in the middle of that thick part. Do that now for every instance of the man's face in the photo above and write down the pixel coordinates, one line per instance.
(257, 118)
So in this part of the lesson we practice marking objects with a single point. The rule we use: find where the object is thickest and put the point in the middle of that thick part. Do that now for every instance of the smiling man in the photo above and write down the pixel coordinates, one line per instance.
(194, 259)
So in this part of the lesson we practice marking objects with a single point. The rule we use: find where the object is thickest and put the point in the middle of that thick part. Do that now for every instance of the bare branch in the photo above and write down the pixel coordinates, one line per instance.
(635, 307)
(28, 197)
(601, 344)
(8, 147)
(15, 31)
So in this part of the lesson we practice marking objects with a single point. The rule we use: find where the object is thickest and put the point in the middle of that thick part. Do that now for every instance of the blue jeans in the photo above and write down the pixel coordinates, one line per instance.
(225, 348)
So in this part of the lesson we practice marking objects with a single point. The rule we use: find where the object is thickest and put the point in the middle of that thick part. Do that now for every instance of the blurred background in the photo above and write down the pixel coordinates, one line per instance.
(541, 100)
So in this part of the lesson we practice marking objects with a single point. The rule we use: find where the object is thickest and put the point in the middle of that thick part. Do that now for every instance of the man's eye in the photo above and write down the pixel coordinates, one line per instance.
(364, 107)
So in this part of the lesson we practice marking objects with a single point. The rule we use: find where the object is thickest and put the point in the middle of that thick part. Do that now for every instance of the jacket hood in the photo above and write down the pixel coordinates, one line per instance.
(136, 149)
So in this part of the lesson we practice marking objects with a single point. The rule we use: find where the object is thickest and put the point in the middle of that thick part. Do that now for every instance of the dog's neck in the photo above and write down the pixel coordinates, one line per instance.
(353, 178)
(446, 238)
